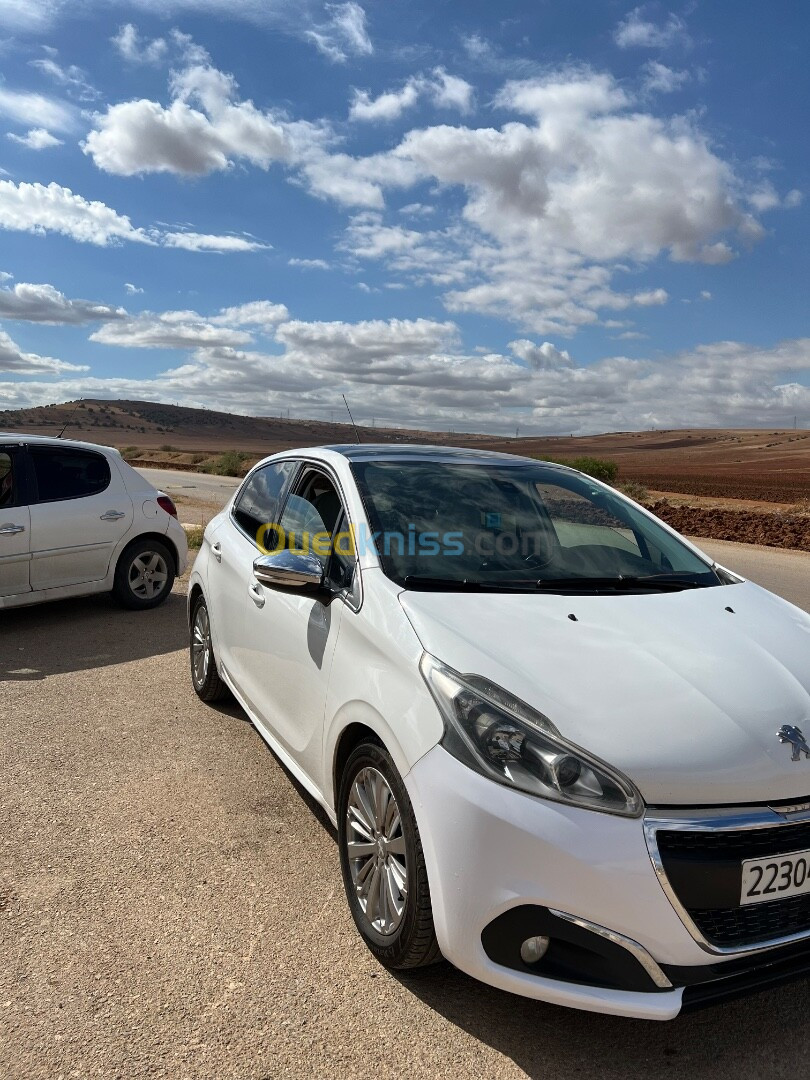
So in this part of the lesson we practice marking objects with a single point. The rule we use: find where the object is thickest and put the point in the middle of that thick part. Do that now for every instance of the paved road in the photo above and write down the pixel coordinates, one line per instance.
(171, 904)
(199, 486)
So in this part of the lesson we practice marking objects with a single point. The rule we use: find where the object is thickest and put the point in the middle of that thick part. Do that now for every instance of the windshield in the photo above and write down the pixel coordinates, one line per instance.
(528, 526)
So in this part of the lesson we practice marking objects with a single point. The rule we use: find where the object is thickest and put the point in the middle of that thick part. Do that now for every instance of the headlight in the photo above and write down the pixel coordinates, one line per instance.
(503, 738)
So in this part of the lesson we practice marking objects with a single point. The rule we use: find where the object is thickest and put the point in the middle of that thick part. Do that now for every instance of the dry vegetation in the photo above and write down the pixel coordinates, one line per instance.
(751, 485)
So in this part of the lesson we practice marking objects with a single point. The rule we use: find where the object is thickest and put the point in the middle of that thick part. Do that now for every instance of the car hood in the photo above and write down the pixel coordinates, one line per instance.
(684, 692)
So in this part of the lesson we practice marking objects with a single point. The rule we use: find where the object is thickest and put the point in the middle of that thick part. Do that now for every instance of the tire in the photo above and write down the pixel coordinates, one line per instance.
(400, 939)
(204, 675)
(144, 575)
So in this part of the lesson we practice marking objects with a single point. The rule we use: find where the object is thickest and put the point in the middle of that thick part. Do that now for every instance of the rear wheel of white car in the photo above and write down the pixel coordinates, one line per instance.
(204, 675)
(382, 861)
(144, 575)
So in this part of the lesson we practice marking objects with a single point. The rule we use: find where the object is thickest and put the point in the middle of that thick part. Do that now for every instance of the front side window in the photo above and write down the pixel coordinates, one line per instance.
(526, 526)
(256, 508)
(6, 480)
(67, 473)
(314, 522)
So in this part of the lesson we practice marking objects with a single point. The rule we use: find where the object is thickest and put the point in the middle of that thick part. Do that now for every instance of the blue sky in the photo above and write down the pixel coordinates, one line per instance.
(563, 217)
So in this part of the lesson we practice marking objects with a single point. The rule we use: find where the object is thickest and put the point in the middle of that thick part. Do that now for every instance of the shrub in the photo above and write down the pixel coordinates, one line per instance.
(598, 468)
(231, 463)
(635, 491)
(128, 451)
(166, 448)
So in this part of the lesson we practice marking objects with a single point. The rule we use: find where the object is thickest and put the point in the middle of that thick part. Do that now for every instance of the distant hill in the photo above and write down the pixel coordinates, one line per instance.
(772, 465)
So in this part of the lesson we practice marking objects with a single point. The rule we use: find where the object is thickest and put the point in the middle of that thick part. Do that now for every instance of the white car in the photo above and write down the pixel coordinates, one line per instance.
(76, 519)
(561, 747)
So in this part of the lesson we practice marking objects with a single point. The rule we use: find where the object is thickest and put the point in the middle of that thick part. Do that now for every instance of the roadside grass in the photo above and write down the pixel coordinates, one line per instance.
(194, 536)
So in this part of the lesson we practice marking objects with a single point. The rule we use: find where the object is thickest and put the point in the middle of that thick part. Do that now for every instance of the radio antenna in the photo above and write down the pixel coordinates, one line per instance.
(69, 419)
(349, 411)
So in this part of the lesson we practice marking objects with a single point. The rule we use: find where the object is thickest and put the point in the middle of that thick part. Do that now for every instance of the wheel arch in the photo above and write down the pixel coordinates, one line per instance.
(355, 722)
(161, 538)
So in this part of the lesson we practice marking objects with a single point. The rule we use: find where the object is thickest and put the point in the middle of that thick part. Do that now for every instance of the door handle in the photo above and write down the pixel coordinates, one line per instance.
(256, 594)
(112, 515)
(216, 551)
(10, 529)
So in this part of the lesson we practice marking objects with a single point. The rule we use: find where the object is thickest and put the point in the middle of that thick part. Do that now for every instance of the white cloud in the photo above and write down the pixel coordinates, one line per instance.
(41, 209)
(36, 110)
(443, 90)
(193, 241)
(27, 14)
(793, 199)
(344, 33)
(662, 79)
(134, 49)
(204, 129)
(450, 91)
(5, 276)
(637, 31)
(42, 303)
(133, 290)
(388, 106)
(16, 362)
(36, 139)
(309, 264)
(262, 313)
(168, 330)
(72, 78)
(545, 357)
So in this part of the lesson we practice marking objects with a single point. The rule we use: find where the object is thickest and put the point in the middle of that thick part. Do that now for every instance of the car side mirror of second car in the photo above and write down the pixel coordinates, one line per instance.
(289, 570)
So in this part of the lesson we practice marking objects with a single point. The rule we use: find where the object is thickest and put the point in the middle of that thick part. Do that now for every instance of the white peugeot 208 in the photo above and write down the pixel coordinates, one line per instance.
(75, 519)
(561, 747)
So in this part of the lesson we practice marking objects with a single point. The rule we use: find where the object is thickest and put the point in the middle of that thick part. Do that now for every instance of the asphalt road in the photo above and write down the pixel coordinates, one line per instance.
(191, 485)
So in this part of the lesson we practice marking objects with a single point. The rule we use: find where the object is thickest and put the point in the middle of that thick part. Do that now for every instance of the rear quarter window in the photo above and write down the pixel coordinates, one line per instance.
(67, 473)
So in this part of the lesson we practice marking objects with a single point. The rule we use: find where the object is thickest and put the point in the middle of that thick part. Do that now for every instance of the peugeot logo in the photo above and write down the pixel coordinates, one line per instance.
(793, 735)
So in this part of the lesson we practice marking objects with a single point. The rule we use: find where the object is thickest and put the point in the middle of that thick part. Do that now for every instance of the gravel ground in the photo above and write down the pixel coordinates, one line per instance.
(171, 904)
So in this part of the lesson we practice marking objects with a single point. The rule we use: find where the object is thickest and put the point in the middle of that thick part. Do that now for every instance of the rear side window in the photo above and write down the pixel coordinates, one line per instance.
(6, 480)
(259, 500)
(66, 473)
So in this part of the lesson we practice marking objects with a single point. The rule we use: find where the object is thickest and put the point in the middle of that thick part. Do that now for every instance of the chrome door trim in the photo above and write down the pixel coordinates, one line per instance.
(10, 529)
(717, 819)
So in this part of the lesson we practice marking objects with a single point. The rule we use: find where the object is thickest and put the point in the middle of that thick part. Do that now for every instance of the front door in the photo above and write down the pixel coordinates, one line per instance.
(289, 637)
(15, 525)
(81, 512)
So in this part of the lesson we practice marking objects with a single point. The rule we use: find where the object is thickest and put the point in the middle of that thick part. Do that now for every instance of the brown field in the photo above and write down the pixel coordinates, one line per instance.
(757, 465)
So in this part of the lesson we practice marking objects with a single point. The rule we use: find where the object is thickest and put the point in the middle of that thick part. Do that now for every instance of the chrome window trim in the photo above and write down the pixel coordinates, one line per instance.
(717, 819)
(631, 946)
(353, 597)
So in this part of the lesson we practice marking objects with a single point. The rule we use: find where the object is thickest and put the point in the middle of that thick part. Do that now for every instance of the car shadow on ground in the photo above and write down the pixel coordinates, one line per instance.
(743, 1038)
(89, 632)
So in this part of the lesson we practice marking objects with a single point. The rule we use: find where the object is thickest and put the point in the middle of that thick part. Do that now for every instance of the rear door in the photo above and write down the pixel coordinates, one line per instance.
(80, 512)
(15, 524)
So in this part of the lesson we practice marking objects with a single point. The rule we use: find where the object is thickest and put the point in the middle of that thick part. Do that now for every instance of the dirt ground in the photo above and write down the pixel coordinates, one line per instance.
(171, 906)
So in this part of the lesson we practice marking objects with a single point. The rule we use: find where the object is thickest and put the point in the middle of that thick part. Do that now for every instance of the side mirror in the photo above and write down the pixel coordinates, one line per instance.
(289, 569)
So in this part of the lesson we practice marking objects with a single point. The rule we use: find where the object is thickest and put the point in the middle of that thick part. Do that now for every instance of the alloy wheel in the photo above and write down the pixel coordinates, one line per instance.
(148, 574)
(201, 645)
(376, 849)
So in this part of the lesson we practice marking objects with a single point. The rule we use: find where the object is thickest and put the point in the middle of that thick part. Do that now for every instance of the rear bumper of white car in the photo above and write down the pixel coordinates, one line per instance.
(504, 867)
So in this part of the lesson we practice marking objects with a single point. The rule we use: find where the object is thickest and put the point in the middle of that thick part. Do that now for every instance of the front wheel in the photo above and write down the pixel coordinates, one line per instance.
(144, 575)
(204, 675)
(382, 861)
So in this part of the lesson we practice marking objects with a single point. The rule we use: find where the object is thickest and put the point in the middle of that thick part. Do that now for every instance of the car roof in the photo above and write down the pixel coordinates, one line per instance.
(14, 438)
(418, 452)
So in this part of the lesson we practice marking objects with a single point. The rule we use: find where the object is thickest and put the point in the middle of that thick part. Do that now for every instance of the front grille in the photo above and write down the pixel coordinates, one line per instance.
(704, 869)
(755, 923)
(736, 843)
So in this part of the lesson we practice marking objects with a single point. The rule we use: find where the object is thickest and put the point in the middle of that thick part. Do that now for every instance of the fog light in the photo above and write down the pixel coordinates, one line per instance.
(534, 949)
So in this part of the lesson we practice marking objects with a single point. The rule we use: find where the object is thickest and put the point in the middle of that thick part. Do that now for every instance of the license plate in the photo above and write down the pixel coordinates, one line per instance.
(775, 877)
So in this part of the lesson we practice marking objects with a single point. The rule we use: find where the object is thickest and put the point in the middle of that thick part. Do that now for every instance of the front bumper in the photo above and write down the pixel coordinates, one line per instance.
(504, 866)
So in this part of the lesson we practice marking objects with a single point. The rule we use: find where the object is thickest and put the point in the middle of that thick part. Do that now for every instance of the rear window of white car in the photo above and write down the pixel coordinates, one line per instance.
(68, 473)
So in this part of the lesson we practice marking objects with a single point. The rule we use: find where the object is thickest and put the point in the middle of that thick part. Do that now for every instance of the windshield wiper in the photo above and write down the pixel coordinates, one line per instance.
(630, 583)
(440, 584)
